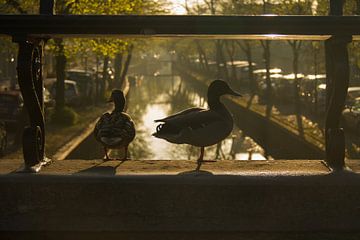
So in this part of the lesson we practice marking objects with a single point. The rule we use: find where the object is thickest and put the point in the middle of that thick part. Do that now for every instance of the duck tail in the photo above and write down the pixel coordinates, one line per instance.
(158, 130)
(165, 129)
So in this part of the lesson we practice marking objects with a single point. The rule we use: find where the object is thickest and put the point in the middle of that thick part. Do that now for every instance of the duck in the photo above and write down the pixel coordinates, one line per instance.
(197, 126)
(115, 130)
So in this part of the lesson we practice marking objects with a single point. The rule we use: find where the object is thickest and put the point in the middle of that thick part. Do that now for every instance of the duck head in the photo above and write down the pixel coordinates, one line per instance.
(117, 96)
(218, 88)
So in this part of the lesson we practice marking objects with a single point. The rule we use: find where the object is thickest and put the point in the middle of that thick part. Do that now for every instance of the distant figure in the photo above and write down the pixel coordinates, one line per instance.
(115, 130)
(198, 126)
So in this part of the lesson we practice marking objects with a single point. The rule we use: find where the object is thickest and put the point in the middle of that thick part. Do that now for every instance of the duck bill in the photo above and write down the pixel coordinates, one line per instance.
(231, 92)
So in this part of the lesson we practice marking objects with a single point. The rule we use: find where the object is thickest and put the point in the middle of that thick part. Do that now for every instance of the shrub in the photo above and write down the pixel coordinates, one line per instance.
(64, 116)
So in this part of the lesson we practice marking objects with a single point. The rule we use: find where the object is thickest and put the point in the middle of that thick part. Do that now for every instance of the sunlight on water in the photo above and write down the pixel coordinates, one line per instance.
(158, 147)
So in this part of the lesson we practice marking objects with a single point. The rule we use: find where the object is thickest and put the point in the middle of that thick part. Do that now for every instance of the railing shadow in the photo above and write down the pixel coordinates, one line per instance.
(100, 170)
(196, 171)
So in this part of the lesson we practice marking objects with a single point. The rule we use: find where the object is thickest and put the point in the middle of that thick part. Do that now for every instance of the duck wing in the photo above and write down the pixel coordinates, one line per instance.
(198, 128)
(181, 114)
(100, 123)
(115, 129)
(193, 119)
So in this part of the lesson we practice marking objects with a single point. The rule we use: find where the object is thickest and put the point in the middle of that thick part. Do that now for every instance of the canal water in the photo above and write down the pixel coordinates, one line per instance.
(157, 97)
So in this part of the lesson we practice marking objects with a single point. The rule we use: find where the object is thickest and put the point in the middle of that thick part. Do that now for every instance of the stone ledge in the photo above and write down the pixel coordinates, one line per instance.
(174, 167)
(282, 196)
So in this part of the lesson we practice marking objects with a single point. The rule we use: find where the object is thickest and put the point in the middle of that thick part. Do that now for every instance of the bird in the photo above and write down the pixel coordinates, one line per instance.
(200, 127)
(115, 130)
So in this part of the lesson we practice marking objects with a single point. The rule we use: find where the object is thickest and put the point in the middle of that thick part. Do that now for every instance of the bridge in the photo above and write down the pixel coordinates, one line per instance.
(167, 198)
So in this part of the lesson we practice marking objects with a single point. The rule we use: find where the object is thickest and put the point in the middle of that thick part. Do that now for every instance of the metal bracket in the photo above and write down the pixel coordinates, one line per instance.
(30, 57)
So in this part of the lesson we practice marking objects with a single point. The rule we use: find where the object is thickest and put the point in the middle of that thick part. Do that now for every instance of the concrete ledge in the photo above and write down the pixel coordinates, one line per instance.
(174, 167)
(205, 201)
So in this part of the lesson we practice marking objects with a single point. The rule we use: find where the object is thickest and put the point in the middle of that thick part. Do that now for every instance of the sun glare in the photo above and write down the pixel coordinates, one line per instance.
(178, 7)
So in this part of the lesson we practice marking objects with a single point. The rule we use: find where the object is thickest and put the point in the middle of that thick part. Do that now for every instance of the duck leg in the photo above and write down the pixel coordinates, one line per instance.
(106, 158)
(201, 157)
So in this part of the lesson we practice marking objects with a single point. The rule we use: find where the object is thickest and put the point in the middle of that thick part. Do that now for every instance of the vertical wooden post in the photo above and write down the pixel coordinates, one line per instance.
(47, 7)
(337, 81)
(336, 7)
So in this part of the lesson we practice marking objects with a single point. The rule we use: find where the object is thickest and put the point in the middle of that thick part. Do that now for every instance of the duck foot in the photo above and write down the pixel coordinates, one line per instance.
(106, 157)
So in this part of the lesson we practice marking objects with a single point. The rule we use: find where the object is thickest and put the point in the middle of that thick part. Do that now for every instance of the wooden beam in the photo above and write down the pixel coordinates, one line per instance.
(172, 26)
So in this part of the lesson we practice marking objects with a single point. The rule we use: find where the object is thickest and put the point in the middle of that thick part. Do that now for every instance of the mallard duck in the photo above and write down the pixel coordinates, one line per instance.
(116, 129)
(198, 126)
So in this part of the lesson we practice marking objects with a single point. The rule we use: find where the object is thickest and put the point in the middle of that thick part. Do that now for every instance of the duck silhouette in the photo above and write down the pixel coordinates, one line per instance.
(115, 130)
(198, 126)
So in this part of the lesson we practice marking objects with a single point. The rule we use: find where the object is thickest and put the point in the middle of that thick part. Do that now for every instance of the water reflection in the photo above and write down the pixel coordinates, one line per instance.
(158, 97)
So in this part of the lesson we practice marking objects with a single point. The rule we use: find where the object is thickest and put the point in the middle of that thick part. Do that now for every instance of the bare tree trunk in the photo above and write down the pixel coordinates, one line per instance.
(126, 65)
(60, 75)
(105, 76)
(295, 46)
(220, 61)
(97, 81)
(205, 62)
(268, 94)
(246, 47)
(117, 69)
(316, 81)
(231, 53)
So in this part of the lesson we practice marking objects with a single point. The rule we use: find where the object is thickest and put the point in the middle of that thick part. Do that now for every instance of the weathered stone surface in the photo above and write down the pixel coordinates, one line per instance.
(174, 167)
(148, 196)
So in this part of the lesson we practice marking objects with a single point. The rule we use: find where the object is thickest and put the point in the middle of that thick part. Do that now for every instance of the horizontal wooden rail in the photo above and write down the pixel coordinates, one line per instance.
(251, 27)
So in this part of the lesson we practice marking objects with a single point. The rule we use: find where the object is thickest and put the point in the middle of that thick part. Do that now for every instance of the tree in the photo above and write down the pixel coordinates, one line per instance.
(113, 48)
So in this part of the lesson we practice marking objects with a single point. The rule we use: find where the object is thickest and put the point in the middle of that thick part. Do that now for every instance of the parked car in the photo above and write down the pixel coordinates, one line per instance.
(84, 80)
(309, 90)
(72, 95)
(353, 94)
(11, 104)
(351, 116)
